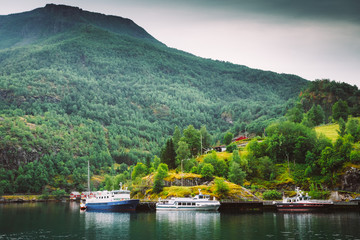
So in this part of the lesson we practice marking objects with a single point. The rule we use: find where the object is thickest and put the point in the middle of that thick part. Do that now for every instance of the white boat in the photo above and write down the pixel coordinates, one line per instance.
(198, 203)
(301, 203)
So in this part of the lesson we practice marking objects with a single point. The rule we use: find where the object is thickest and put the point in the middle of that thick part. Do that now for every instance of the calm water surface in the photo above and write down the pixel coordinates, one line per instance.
(66, 221)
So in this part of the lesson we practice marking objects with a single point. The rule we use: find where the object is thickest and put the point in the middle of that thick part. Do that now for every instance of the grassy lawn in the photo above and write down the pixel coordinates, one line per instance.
(329, 131)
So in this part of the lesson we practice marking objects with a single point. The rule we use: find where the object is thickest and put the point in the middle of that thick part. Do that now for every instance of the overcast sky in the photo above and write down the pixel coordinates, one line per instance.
(314, 39)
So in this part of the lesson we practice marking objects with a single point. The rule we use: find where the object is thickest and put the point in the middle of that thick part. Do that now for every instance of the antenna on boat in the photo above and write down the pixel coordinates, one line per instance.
(120, 184)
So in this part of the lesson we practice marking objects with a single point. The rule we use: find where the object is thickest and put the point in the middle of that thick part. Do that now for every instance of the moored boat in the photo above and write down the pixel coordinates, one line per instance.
(82, 204)
(301, 203)
(114, 201)
(198, 203)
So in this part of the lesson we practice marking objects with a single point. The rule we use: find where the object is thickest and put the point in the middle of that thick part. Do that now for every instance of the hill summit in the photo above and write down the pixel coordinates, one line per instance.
(28, 27)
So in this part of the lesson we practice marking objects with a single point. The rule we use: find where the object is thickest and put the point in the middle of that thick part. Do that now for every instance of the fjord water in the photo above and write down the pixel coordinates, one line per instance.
(66, 221)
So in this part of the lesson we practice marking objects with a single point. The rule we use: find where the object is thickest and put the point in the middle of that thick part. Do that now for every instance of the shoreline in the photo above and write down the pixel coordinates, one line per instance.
(31, 198)
(149, 206)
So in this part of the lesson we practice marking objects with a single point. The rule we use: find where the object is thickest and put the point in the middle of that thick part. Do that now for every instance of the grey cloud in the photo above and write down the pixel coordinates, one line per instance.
(335, 10)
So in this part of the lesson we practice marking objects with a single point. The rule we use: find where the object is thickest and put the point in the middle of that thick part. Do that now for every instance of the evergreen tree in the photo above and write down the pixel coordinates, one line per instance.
(168, 154)
(316, 115)
(228, 138)
(176, 137)
(342, 127)
(148, 162)
(205, 137)
(319, 115)
(340, 110)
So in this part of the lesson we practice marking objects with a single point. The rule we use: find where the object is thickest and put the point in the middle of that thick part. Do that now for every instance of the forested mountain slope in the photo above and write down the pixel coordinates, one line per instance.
(64, 70)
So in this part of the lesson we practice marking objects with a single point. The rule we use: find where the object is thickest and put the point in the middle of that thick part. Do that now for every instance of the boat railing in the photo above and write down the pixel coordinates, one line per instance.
(238, 201)
(320, 201)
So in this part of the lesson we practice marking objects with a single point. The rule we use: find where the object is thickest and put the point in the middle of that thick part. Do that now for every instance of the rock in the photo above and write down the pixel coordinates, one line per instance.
(350, 181)
(185, 182)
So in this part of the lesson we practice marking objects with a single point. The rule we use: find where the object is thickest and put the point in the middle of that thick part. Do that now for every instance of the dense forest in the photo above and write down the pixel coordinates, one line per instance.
(292, 153)
(77, 86)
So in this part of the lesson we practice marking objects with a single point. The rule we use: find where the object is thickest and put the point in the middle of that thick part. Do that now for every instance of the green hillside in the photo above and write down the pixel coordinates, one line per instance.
(78, 86)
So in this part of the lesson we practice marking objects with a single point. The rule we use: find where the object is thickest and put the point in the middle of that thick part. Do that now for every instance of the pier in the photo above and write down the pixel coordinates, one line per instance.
(229, 206)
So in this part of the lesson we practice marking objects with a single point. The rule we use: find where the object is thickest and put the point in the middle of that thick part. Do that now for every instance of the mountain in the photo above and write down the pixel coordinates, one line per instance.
(76, 85)
(31, 27)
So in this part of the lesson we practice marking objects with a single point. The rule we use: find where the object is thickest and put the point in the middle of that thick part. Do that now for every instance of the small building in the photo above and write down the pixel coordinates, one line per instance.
(221, 148)
(75, 196)
(238, 138)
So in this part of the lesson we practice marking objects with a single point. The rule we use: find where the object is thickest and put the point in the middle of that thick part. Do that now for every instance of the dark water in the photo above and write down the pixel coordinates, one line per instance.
(66, 221)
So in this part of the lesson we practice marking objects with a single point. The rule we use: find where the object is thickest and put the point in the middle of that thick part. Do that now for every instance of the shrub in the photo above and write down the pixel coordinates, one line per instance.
(318, 194)
(45, 194)
(272, 195)
(221, 188)
(162, 172)
(231, 147)
(236, 174)
(355, 157)
(207, 171)
(194, 169)
(58, 194)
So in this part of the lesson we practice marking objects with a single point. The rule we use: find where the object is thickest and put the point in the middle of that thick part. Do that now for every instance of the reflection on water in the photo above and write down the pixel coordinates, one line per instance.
(66, 221)
(320, 225)
(106, 224)
(188, 225)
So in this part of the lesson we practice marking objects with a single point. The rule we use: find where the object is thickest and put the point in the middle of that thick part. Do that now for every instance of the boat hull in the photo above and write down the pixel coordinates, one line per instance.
(165, 207)
(302, 207)
(114, 206)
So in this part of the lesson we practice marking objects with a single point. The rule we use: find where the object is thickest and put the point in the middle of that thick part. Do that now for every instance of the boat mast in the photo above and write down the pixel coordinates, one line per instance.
(89, 176)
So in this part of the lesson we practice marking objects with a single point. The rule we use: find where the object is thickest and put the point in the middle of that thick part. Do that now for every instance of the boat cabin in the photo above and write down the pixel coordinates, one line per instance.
(298, 198)
(185, 203)
(200, 196)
